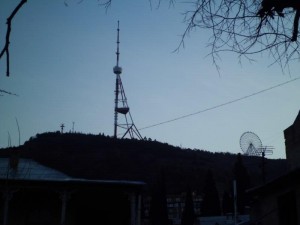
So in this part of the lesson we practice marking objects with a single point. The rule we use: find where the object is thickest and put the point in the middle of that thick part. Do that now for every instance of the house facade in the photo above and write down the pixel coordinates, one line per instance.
(278, 201)
(34, 194)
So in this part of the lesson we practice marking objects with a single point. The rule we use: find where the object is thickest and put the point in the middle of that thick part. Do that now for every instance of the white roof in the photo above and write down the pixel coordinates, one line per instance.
(29, 170)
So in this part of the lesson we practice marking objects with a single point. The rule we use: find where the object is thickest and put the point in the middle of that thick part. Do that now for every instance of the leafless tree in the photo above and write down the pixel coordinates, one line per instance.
(245, 27)
(248, 27)
(5, 49)
(7, 92)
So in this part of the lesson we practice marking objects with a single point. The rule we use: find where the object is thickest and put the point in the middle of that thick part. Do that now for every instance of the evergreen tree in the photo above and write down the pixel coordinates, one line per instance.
(211, 201)
(227, 203)
(242, 183)
(188, 214)
(158, 207)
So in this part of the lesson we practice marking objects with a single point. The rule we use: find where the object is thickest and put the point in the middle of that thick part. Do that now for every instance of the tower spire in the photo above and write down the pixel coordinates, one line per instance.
(120, 98)
(118, 43)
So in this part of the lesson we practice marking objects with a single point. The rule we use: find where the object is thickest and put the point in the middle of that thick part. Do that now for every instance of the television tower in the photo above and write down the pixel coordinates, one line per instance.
(121, 106)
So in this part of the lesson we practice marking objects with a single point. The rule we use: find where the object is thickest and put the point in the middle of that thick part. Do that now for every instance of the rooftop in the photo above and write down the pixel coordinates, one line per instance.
(28, 169)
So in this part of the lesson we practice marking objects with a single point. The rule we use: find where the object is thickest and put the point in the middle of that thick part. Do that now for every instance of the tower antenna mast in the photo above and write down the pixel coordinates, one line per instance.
(121, 106)
(118, 44)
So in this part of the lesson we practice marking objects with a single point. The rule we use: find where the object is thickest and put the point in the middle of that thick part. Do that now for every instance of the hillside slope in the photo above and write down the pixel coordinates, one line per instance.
(101, 157)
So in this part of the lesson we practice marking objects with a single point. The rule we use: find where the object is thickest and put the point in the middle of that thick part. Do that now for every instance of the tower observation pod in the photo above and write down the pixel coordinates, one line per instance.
(121, 106)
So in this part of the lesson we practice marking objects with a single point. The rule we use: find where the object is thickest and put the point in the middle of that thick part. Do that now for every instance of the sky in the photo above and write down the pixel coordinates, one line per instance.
(62, 58)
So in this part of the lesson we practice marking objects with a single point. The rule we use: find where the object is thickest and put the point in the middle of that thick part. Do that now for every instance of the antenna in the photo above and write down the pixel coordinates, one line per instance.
(118, 44)
(120, 98)
(62, 128)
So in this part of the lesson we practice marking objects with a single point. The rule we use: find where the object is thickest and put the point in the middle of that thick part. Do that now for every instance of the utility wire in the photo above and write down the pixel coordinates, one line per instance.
(221, 105)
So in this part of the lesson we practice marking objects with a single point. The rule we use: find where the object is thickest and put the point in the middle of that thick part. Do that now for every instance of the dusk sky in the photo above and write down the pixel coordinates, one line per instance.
(62, 58)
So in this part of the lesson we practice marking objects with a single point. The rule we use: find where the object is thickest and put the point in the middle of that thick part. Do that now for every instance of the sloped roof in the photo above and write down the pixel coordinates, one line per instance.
(288, 180)
(28, 169)
(297, 120)
(294, 130)
(31, 171)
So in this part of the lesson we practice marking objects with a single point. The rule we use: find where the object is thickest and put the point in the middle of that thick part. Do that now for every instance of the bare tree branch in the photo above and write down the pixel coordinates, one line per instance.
(7, 92)
(245, 27)
(5, 49)
(106, 4)
(248, 27)
(296, 26)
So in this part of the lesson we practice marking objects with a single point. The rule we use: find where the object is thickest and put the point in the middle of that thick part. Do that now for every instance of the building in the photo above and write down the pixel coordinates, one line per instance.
(176, 205)
(35, 194)
(278, 201)
(292, 144)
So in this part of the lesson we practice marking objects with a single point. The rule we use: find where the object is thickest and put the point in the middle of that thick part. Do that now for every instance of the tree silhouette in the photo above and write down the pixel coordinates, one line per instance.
(6, 92)
(158, 207)
(227, 203)
(5, 49)
(242, 183)
(248, 27)
(188, 214)
(211, 201)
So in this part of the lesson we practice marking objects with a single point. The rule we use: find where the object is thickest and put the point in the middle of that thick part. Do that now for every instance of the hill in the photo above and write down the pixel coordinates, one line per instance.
(101, 157)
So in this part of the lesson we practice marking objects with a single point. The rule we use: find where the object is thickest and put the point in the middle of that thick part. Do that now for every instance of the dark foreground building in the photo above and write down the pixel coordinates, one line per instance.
(34, 194)
(278, 201)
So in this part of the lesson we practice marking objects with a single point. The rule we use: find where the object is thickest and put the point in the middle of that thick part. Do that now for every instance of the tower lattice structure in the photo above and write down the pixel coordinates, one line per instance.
(121, 105)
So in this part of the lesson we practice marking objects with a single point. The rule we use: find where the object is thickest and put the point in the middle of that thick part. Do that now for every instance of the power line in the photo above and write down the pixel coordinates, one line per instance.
(220, 105)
